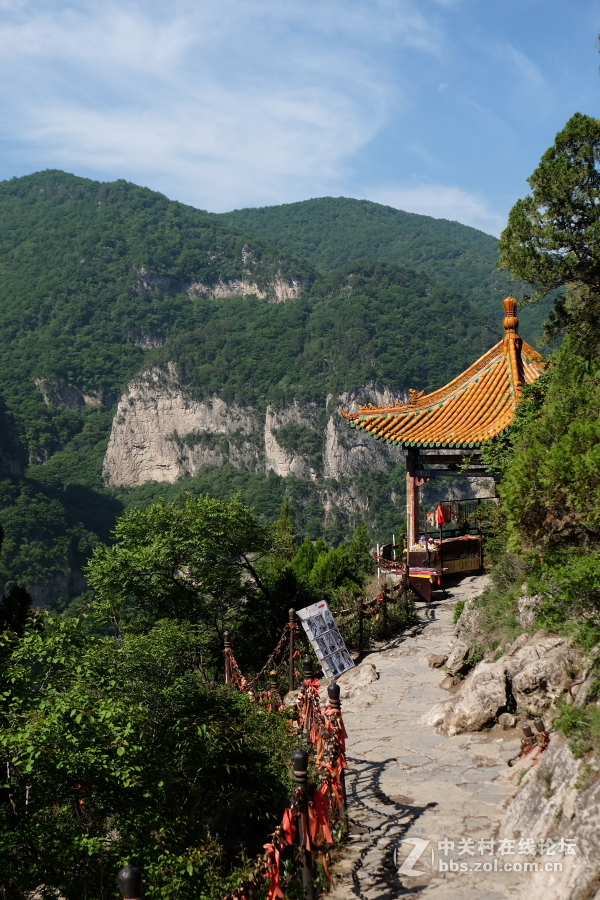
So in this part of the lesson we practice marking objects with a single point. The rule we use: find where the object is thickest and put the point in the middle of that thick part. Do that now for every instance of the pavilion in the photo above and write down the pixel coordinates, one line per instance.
(444, 431)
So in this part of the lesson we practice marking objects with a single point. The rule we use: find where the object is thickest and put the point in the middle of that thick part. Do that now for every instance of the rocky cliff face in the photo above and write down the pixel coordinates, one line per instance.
(557, 805)
(160, 433)
(57, 393)
(277, 289)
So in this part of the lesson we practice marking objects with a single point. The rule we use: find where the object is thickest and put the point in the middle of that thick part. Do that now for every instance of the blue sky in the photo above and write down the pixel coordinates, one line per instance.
(442, 107)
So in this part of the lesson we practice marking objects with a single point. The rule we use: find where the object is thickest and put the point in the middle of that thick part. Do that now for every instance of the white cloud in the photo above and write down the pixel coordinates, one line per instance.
(221, 103)
(442, 202)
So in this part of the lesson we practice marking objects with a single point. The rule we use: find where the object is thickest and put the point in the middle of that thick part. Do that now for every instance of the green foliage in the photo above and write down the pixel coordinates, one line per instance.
(303, 441)
(550, 459)
(333, 231)
(117, 752)
(284, 533)
(460, 605)
(551, 239)
(42, 542)
(499, 602)
(372, 322)
(552, 236)
(581, 727)
(90, 272)
(193, 560)
(551, 490)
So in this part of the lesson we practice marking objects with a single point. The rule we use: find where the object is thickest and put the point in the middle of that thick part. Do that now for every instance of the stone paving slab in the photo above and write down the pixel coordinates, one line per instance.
(408, 784)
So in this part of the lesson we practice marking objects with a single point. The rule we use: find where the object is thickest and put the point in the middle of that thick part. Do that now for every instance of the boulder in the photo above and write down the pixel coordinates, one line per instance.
(527, 608)
(470, 624)
(436, 660)
(459, 654)
(507, 720)
(355, 680)
(449, 682)
(536, 669)
(482, 696)
(537, 686)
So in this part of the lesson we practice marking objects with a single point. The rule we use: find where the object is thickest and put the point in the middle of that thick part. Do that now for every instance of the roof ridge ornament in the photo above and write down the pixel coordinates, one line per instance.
(511, 320)
(414, 397)
(513, 345)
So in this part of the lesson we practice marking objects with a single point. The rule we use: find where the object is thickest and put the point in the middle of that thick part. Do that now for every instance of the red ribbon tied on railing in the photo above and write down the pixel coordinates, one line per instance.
(288, 827)
(318, 812)
(273, 872)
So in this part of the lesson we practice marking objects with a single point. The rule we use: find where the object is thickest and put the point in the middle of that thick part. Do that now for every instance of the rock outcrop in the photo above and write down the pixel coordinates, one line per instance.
(531, 675)
(278, 288)
(557, 805)
(160, 433)
(57, 393)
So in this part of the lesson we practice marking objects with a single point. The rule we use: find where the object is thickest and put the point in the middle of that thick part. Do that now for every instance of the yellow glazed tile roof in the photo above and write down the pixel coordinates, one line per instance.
(472, 409)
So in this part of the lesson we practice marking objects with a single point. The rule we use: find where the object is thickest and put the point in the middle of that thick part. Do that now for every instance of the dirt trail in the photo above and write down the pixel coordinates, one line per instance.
(408, 783)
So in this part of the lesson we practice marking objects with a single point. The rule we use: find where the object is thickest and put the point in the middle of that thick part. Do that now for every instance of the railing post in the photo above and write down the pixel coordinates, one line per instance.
(307, 675)
(307, 668)
(480, 546)
(300, 766)
(333, 692)
(227, 645)
(385, 598)
(292, 650)
(129, 879)
(274, 684)
(361, 624)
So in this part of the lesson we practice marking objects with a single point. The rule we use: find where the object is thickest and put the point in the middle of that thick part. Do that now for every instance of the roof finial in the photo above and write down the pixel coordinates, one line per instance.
(511, 320)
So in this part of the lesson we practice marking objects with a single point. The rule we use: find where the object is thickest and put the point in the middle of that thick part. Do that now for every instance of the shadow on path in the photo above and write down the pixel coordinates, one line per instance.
(382, 823)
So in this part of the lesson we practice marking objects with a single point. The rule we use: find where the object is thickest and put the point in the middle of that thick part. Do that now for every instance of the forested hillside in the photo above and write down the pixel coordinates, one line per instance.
(332, 231)
(90, 273)
(102, 282)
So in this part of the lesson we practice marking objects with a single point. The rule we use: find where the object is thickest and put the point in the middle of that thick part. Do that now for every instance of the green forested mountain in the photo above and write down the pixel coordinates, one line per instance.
(100, 282)
(332, 231)
(89, 272)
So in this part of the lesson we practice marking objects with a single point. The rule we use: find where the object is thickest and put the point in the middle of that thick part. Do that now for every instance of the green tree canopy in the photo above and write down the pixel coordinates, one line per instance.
(193, 560)
(550, 457)
(115, 751)
(553, 236)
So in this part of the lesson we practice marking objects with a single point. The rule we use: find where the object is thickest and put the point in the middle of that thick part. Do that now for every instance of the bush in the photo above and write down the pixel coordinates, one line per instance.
(118, 752)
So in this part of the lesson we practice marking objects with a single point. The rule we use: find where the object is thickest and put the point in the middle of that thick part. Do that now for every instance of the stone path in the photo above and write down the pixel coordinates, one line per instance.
(408, 784)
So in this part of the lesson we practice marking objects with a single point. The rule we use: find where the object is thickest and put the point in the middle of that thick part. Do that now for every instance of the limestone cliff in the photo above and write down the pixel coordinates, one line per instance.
(277, 288)
(160, 433)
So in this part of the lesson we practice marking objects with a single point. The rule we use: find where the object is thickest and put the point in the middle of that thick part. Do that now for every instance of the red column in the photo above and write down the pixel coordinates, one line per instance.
(412, 499)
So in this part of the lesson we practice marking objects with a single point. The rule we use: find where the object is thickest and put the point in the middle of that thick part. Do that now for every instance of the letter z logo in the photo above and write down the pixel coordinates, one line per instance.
(415, 854)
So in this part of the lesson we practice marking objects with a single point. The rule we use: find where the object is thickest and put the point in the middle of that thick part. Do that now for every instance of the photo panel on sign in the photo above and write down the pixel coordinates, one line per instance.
(317, 625)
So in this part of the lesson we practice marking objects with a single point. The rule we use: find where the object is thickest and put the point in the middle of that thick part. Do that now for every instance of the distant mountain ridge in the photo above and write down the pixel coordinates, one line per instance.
(330, 232)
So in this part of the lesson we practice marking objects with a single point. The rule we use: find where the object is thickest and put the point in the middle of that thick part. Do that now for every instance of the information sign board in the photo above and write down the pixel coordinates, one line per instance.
(326, 639)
